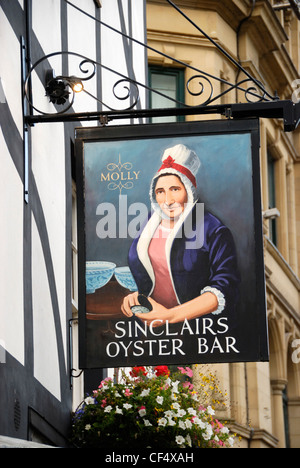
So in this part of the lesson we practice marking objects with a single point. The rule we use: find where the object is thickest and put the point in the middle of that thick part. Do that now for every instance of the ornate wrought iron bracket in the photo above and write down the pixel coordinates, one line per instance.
(61, 90)
(286, 110)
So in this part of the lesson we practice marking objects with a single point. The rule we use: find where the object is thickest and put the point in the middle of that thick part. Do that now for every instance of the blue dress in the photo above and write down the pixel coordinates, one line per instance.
(201, 255)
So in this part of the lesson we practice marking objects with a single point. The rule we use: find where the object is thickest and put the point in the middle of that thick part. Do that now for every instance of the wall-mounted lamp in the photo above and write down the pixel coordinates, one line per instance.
(76, 84)
(57, 87)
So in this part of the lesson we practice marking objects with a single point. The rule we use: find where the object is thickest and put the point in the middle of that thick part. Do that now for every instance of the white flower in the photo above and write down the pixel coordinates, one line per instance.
(89, 401)
(205, 436)
(209, 428)
(119, 410)
(188, 424)
(181, 412)
(181, 424)
(199, 423)
(160, 400)
(231, 441)
(108, 409)
(117, 394)
(192, 411)
(208, 432)
(88, 427)
(145, 393)
(147, 422)
(171, 422)
(176, 406)
(175, 386)
(169, 414)
(188, 440)
(127, 406)
(210, 410)
(224, 430)
(142, 411)
(180, 440)
(162, 422)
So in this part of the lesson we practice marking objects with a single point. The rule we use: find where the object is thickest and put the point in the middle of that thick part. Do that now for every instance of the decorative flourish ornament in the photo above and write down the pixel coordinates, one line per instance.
(57, 92)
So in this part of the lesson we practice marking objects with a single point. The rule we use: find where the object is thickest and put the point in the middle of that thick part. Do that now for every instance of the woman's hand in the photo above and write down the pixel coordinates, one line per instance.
(128, 302)
(201, 305)
(158, 316)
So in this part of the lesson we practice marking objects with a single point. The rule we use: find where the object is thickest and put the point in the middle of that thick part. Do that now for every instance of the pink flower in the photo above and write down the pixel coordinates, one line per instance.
(128, 392)
(105, 382)
(104, 402)
(188, 385)
(188, 371)
(218, 425)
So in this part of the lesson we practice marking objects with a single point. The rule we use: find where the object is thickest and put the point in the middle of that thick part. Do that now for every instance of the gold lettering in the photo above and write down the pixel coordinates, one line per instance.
(103, 178)
(119, 176)
(115, 176)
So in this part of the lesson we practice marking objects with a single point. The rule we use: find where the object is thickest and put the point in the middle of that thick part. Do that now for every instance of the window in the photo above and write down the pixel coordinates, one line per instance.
(170, 82)
(272, 198)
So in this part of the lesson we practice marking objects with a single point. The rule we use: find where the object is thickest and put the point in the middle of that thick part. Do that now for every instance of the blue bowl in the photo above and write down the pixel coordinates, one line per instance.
(124, 277)
(98, 275)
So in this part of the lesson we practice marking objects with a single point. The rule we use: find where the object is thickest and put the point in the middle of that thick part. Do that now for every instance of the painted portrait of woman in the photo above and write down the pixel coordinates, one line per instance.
(184, 260)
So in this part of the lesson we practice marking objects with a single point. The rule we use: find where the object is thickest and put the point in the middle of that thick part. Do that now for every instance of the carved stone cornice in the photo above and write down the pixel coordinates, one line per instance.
(233, 11)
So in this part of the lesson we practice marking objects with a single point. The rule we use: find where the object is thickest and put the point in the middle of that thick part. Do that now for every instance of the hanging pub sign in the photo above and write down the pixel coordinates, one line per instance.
(170, 244)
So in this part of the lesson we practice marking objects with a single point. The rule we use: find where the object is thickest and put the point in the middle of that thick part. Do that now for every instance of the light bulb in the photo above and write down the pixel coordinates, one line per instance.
(77, 87)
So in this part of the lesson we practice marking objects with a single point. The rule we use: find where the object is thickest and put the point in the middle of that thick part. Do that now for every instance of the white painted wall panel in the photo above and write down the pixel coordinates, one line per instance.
(116, 50)
(81, 39)
(46, 24)
(10, 70)
(139, 52)
(46, 367)
(113, 53)
(11, 255)
(48, 166)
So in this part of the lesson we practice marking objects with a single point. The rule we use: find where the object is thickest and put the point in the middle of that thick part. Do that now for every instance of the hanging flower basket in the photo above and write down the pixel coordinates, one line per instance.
(148, 409)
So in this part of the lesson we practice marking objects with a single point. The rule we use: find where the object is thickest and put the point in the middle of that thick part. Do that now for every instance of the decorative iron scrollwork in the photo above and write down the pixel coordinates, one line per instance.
(201, 80)
(132, 86)
(61, 90)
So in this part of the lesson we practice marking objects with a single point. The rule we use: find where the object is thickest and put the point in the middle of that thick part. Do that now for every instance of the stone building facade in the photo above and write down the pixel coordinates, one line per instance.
(264, 37)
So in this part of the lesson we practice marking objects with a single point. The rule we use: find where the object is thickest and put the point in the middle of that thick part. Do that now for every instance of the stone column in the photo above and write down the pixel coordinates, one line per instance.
(278, 417)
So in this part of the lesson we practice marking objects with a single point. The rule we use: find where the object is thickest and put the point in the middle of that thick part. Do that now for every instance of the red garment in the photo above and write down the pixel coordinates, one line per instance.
(163, 292)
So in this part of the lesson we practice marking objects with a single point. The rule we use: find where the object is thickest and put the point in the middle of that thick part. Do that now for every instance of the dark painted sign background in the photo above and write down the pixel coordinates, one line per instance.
(115, 168)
